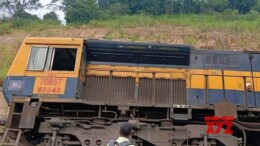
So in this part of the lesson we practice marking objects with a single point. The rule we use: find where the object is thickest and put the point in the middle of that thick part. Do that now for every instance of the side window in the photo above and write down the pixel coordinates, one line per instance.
(48, 58)
(64, 59)
(37, 58)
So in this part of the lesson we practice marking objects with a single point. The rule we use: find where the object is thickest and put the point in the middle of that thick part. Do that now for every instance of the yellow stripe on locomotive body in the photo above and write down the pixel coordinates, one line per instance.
(195, 78)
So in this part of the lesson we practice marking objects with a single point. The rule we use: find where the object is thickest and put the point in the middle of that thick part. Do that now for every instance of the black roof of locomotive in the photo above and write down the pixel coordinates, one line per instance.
(137, 45)
(137, 53)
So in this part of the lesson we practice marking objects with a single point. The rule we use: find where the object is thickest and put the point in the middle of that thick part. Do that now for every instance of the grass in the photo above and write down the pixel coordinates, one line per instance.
(189, 29)
(223, 22)
(189, 40)
(6, 57)
(210, 22)
(5, 29)
(7, 26)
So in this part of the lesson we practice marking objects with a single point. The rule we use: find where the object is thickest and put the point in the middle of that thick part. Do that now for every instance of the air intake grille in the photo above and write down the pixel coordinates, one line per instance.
(121, 90)
(110, 89)
(162, 91)
(221, 61)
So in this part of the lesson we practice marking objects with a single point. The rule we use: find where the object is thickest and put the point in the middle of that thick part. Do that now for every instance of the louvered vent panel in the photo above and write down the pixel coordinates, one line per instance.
(110, 89)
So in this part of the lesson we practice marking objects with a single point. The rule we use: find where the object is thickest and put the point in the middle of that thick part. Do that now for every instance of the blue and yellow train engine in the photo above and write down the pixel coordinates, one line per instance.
(69, 91)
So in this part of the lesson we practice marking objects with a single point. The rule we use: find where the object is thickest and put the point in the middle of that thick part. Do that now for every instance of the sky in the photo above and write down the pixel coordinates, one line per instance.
(41, 12)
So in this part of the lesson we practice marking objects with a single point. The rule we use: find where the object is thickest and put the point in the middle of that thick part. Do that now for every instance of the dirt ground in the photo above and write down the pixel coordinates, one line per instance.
(3, 105)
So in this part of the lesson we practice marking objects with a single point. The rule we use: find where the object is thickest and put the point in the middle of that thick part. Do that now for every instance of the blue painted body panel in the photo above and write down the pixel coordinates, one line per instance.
(198, 61)
(28, 84)
(195, 97)
(257, 99)
(250, 99)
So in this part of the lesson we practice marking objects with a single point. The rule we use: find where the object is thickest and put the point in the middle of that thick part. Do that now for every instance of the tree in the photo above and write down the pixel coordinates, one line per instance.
(257, 6)
(52, 16)
(176, 7)
(25, 15)
(153, 7)
(135, 6)
(16, 8)
(80, 11)
(104, 4)
(220, 5)
(117, 9)
(189, 6)
(244, 6)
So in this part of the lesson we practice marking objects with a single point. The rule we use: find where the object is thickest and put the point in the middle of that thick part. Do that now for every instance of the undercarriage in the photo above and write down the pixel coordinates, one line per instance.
(54, 123)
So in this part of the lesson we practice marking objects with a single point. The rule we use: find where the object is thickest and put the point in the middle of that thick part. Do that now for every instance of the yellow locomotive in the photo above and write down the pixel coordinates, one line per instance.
(71, 91)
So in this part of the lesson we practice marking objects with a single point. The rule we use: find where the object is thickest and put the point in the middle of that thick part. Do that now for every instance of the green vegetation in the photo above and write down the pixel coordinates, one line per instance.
(88, 10)
(6, 57)
(83, 11)
(237, 24)
(245, 22)
(8, 26)
(218, 24)
(190, 40)
(51, 18)
(16, 8)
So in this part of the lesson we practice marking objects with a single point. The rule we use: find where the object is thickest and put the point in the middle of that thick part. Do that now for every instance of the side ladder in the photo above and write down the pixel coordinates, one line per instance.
(6, 141)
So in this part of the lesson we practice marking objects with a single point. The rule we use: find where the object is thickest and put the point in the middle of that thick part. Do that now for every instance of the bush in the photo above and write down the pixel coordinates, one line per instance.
(51, 18)
(5, 28)
(17, 23)
(253, 14)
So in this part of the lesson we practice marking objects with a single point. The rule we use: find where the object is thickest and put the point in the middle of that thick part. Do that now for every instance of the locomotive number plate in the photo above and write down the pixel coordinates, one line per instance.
(49, 85)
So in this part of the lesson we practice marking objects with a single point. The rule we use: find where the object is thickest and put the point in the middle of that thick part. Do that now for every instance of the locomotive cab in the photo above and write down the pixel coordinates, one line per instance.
(46, 67)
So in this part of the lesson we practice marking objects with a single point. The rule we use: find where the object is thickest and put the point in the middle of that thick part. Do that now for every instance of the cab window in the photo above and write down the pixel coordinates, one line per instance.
(56, 59)
(37, 58)
(64, 59)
